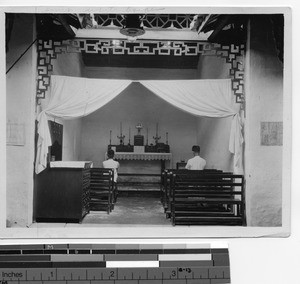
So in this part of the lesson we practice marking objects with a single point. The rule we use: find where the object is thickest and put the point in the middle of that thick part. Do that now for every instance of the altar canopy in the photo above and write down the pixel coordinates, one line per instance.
(72, 97)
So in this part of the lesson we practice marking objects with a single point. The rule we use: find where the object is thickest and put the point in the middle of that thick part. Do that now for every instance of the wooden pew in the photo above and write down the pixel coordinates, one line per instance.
(167, 183)
(103, 193)
(210, 199)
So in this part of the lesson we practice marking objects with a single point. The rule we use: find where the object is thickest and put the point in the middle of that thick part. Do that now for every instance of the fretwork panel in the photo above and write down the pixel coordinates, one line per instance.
(233, 54)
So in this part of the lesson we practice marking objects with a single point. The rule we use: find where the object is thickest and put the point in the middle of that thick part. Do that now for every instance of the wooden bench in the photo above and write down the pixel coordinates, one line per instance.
(209, 199)
(103, 192)
(167, 183)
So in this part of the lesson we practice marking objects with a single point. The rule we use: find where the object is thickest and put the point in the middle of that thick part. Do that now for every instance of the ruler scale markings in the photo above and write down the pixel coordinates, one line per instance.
(199, 281)
(221, 259)
(175, 261)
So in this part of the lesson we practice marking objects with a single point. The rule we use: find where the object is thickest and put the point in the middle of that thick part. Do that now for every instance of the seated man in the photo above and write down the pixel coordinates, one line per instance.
(196, 163)
(111, 163)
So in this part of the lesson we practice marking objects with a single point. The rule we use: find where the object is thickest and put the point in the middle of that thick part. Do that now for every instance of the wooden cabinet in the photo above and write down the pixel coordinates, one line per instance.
(62, 194)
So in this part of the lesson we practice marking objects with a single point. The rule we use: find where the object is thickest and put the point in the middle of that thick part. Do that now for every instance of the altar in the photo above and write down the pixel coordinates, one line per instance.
(163, 157)
(140, 151)
(141, 170)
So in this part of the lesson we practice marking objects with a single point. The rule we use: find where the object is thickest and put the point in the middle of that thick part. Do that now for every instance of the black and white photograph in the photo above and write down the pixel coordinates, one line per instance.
(147, 121)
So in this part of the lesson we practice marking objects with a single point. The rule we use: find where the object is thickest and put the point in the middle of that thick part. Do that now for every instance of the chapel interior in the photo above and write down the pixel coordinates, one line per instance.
(152, 137)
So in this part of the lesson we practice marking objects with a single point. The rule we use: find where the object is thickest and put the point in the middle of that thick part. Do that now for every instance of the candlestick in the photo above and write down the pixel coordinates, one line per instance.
(167, 138)
(147, 137)
(110, 137)
(121, 137)
(156, 138)
(129, 137)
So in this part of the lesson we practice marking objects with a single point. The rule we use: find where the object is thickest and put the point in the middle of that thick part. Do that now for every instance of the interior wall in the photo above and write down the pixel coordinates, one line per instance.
(213, 133)
(264, 103)
(20, 112)
(72, 139)
(137, 104)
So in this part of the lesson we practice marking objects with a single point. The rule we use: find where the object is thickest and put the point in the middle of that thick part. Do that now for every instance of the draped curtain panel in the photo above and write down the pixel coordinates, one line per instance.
(72, 97)
(209, 98)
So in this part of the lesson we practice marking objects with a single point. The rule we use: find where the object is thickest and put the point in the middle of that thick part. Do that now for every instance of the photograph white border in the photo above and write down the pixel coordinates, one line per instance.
(141, 232)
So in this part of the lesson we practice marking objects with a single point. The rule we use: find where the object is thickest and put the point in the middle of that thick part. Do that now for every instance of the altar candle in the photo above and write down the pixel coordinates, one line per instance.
(129, 133)
(110, 137)
(156, 129)
(120, 128)
(166, 137)
(147, 136)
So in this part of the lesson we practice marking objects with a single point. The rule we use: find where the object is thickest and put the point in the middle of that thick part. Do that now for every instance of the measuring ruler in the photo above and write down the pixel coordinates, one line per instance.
(114, 264)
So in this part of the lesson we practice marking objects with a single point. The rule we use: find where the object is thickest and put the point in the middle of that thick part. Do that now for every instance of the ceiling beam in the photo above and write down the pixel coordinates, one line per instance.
(114, 33)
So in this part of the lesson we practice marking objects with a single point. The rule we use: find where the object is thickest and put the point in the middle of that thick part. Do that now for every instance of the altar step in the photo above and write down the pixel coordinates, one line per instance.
(131, 186)
(139, 182)
(140, 194)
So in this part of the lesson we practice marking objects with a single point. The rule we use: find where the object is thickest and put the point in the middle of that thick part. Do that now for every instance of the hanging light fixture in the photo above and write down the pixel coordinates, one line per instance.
(116, 43)
(133, 27)
(167, 44)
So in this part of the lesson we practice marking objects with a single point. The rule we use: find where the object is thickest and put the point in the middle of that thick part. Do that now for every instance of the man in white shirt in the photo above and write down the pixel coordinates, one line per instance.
(111, 163)
(196, 163)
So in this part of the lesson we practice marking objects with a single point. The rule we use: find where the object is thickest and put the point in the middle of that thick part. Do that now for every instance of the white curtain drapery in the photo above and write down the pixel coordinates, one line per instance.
(72, 97)
(209, 98)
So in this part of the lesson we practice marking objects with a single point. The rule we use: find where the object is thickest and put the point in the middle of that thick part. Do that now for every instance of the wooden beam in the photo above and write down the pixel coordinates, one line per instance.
(114, 33)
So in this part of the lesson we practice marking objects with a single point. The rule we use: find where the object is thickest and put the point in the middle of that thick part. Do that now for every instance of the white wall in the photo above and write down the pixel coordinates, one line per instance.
(20, 101)
(264, 102)
(20, 97)
(137, 104)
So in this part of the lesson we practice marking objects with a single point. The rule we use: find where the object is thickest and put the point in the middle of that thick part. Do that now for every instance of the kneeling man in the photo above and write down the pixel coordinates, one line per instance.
(196, 163)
